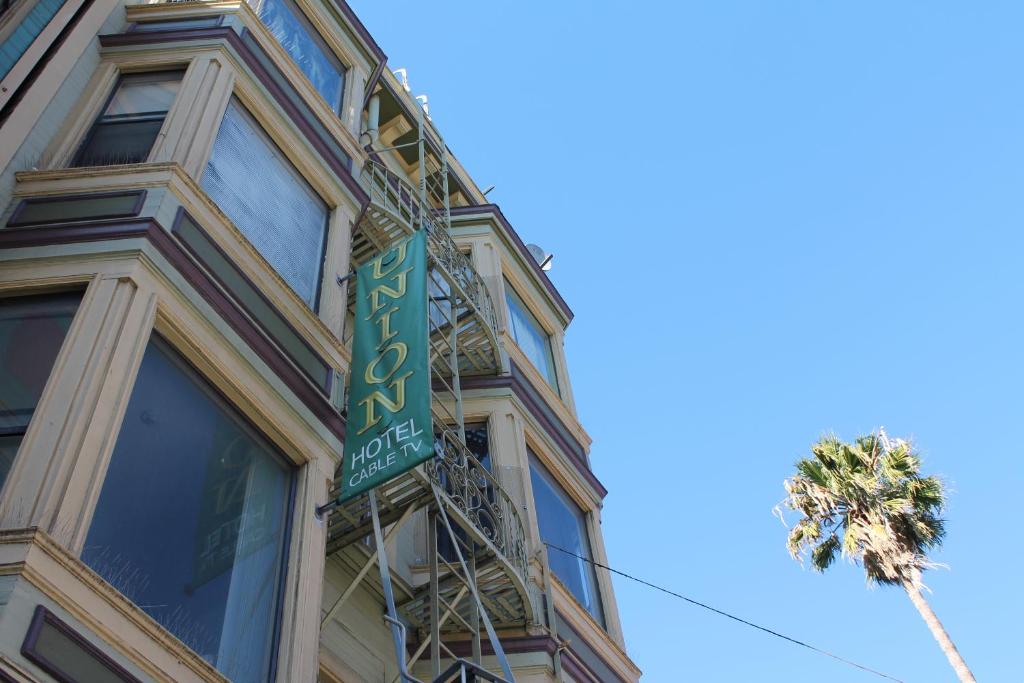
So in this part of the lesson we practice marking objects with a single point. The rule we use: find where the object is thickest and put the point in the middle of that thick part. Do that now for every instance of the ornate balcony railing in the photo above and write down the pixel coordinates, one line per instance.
(394, 212)
(474, 492)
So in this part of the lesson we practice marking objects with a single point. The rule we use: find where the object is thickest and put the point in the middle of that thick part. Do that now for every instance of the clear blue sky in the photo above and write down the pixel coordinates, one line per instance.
(772, 219)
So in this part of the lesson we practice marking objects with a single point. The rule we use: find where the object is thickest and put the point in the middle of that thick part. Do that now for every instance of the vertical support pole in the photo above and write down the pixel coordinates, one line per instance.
(421, 147)
(385, 579)
(444, 187)
(454, 310)
(492, 636)
(435, 608)
(453, 361)
(549, 605)
(475, 620)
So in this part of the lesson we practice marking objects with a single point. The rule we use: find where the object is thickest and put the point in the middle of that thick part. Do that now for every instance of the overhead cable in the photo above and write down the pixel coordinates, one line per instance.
(726, 614)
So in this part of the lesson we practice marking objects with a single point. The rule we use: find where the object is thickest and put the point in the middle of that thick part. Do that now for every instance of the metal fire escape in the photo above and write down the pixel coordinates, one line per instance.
(476, 543)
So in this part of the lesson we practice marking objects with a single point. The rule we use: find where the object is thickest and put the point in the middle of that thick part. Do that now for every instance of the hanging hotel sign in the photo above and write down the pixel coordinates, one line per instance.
(389, 429)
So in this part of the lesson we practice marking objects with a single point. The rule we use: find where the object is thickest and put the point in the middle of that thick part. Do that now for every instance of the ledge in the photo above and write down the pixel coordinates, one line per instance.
(559, 432)
(69, 583)
(208, 289)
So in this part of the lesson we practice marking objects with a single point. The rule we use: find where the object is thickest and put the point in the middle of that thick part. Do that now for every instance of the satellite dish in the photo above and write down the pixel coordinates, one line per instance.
(540, 256)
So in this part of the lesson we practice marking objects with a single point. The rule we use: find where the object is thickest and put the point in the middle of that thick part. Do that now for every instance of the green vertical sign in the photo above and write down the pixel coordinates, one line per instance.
(389, 429)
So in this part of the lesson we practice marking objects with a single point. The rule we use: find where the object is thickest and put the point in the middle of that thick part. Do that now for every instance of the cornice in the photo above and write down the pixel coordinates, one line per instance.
(494, 212)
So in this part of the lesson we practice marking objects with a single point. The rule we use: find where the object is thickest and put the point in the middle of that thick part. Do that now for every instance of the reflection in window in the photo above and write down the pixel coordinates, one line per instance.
(562, 523)
(303, 44)
(256, 186)
(530, 337)
(192, 517)
(32, 329)
(126, 130)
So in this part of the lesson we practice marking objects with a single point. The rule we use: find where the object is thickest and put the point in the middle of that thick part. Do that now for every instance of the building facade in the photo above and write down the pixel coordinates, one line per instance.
(185, 189)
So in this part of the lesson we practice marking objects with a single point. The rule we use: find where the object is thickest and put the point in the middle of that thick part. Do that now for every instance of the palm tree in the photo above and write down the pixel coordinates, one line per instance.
(868, 502)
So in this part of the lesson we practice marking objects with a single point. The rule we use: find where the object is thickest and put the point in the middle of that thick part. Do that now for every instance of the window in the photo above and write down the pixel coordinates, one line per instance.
(61, 651)
(303, 44)
(23, 26)
(32, 330)
(564, 524)
(175, 24)
(256, 186)
(479, 446)
(191, 522)
(127, 128)
(530, 336)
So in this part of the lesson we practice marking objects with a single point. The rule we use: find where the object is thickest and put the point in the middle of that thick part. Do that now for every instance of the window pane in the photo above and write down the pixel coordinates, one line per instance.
(131, 121)
(478, 443)
(32, 329)
(126, 142)
(191, 520)
(174, 24)
(63, 654)
(44, 210)
(144, 93)
(562, 523)
(302, 43)
(8, 449)
(266, 198)
(531, 338)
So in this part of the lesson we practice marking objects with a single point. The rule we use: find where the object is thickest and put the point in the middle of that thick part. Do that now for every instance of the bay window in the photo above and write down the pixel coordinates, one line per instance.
(263, 194)
(191, 522)
(32, 330)
(564, 524)
(530, 336)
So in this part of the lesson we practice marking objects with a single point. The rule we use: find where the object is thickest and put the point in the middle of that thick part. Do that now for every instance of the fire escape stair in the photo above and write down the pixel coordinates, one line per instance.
(477, 506)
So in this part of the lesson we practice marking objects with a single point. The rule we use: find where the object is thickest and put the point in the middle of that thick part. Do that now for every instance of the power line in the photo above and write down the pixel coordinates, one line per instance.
(726, 614)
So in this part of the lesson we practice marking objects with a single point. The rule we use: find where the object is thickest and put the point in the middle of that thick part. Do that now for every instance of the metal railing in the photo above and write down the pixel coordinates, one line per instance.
(475, 493)
(390, 193)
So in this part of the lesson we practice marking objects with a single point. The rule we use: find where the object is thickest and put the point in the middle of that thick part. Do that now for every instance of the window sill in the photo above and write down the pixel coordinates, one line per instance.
(577, 616)
(30, 555)
(176, 185)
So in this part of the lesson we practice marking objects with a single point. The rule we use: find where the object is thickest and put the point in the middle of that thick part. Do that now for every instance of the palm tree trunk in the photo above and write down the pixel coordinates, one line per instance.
(945, 642)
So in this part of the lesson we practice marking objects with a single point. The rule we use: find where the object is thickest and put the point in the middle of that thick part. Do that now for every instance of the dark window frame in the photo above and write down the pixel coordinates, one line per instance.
(43, 617)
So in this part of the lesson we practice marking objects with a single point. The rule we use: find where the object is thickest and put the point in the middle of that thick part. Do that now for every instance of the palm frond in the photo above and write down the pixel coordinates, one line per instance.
(868, 502)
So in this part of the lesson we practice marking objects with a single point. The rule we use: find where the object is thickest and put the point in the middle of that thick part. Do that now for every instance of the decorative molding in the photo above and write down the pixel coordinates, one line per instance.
(33, 538)
(548, 420)
(341, 167)
(37, 68)
(179, 257)
(181, 215)
(606, 644)
(495, 211)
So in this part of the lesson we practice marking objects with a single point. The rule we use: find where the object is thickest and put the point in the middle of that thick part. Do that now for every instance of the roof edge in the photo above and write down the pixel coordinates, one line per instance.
(495, 211)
